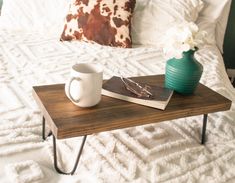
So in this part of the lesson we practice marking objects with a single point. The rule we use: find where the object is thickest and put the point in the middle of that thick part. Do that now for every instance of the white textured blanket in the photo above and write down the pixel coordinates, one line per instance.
(163, 152)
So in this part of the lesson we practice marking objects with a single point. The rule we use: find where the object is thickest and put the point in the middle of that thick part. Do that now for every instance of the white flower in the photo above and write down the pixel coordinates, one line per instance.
(181, 38)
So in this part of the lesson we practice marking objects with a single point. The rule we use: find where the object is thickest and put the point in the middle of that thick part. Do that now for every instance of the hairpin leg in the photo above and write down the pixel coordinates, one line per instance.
(77, 159)
(204, 128)
(43, 129)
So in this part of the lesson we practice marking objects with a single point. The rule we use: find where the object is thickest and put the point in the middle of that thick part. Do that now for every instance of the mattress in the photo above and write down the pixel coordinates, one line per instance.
(165, 152)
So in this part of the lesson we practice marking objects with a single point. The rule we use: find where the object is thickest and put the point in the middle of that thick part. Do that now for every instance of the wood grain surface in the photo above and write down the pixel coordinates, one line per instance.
(67, 120)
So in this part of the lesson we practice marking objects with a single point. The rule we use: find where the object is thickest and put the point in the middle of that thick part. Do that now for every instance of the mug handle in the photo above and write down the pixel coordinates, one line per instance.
(69, 84)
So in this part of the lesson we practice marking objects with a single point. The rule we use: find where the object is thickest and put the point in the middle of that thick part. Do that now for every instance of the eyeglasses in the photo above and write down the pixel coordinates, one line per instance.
(136, 88)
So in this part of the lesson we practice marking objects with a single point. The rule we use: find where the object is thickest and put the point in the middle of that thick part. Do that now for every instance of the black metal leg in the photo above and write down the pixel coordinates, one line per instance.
(43, 129)
(77, 159)
(204, 128)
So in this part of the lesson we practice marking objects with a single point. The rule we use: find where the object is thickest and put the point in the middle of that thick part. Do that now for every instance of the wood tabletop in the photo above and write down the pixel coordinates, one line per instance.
(67, 120)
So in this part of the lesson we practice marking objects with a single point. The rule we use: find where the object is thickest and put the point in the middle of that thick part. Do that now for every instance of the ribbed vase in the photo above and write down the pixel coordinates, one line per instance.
(183, 75)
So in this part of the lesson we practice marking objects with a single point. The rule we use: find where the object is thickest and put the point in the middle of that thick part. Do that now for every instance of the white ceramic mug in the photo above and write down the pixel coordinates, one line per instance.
(85, 83)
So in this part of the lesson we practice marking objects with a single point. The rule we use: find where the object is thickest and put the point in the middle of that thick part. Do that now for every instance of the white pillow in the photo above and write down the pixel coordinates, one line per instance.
(33, 14)
(153, 17)
(213, 19)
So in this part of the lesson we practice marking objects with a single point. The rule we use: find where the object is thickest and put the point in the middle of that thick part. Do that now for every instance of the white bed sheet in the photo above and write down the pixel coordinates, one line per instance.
(163, 152)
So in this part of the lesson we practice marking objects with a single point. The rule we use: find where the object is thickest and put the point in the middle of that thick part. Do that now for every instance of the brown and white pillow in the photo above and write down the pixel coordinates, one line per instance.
(106, 22)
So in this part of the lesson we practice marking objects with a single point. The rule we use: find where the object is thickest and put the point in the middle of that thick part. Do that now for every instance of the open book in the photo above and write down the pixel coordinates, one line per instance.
(115, 88)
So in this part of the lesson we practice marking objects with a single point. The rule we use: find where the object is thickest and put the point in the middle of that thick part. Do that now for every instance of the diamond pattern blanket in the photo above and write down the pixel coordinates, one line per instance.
(163, 152)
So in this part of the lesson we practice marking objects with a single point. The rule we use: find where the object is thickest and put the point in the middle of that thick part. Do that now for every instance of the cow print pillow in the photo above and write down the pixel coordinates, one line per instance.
(106, 22)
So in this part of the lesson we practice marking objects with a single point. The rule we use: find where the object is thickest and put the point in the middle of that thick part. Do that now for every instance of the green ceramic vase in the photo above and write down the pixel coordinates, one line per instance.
(183, 75)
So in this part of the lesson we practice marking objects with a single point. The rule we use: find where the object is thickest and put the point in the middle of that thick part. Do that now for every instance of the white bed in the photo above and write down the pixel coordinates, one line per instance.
(165, 152)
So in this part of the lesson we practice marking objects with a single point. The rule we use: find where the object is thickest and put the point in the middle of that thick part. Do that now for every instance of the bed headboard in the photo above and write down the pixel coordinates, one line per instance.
(229, 40)
(0, 6)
